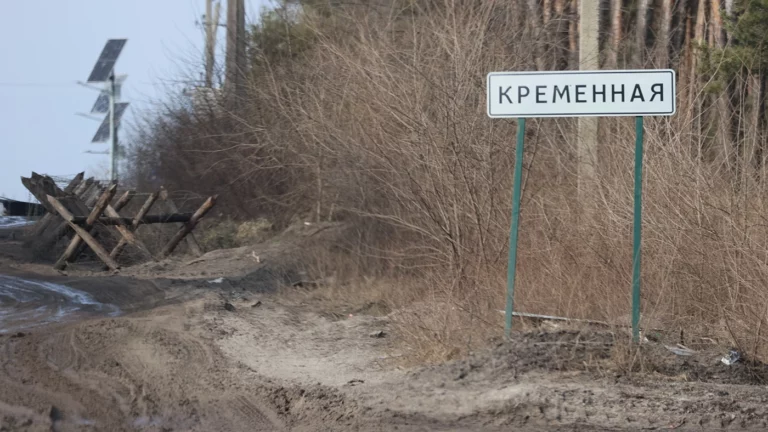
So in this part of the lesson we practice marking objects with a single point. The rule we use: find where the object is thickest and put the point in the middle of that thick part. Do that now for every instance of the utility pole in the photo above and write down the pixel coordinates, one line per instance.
(211, 27)
(589, 17)
(112, 129)
(235, 57)
(104, 72)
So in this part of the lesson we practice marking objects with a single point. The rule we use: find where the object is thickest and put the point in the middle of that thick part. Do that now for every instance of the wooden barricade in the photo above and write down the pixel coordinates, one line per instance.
(83, 208)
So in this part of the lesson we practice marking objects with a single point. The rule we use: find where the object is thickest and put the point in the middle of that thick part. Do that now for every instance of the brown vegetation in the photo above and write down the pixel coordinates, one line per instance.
(375, 115)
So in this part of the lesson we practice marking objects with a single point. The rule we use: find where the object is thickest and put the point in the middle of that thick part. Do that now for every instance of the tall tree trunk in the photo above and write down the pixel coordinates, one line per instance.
(761, 120)
(687, 77)
(701, 20)
(235, 50)
(662, 43)
(534, 21)
(754, 89)
(562, 30)
(716, 20)
(642, 31)
(698, 39)
(589, 19)
(615, 36)
(680, 31)
(573, 32)
(722, 113)
(549, 34)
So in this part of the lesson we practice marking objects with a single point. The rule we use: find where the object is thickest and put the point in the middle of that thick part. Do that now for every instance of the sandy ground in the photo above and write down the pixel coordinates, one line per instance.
(187, 354)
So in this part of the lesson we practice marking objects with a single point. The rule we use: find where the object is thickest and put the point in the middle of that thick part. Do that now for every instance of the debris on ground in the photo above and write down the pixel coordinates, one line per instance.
(680, 350)
(55, 414)
(257, 304)
(378, 334)
(229, 306)
(732, 357)
(216, 281)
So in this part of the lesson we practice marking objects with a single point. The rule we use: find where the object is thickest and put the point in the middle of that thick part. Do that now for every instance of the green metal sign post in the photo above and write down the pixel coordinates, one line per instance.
(636, 231)
(512, 260)
(636, 240)
(611, 93)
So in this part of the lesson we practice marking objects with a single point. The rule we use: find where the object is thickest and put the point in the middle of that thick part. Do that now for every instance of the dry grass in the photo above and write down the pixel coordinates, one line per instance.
(382, 125)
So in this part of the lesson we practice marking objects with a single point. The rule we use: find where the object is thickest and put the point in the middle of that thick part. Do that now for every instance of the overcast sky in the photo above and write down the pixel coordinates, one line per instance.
(48, 45)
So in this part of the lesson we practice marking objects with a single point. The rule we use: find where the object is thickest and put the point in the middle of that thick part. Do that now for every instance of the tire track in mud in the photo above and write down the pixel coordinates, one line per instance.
(151, 371)
(20, 383)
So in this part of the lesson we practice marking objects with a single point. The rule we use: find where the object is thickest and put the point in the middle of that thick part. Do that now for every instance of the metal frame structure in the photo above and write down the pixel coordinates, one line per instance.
(104, 72)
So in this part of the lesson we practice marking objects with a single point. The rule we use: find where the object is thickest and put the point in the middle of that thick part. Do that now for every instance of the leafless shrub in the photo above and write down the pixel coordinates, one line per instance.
(382, 124)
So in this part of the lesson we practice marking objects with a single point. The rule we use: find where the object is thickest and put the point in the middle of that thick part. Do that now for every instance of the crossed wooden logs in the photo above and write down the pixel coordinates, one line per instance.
(85, 204)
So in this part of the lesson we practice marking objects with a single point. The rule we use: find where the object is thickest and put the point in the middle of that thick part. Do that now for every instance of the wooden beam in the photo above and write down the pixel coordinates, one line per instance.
(83, 186)
(127, 233)
(91, 197)
(135, 223)
(95, 194)
(74, 244)
(192, 243)
(145, 209)
(101, 204)
(124, 200)
(148, 219)
(74, 183)
(82, 233)
(75, 206)
(119, 205)
(61, 230)
(88, 192)
(47, 218)
(42, 224)
(43, 186)
(40, 190)
(188, 227)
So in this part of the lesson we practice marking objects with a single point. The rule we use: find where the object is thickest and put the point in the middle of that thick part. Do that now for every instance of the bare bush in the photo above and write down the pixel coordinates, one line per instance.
(380, 122)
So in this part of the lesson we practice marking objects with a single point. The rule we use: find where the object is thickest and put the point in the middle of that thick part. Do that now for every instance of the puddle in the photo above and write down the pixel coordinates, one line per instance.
(28, 303)
(15, 221)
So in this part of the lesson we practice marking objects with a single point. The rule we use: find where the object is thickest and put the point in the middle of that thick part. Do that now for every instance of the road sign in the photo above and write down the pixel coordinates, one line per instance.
(607, 93)
(611, 93)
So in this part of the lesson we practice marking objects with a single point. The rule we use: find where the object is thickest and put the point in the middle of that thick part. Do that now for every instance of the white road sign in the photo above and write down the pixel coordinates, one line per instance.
(605, 93)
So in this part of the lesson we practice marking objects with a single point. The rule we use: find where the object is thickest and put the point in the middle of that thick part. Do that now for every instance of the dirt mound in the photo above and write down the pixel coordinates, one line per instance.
(277, 259)
(704, 365)
(598, 352)
(314, 403)
(565, 350)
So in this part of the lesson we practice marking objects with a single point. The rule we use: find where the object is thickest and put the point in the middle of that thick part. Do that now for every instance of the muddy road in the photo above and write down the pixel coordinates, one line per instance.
(91, 352)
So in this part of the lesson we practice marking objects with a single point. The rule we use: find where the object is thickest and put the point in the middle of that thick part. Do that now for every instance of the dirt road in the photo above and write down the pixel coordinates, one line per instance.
(170, 354)
(192, 364)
